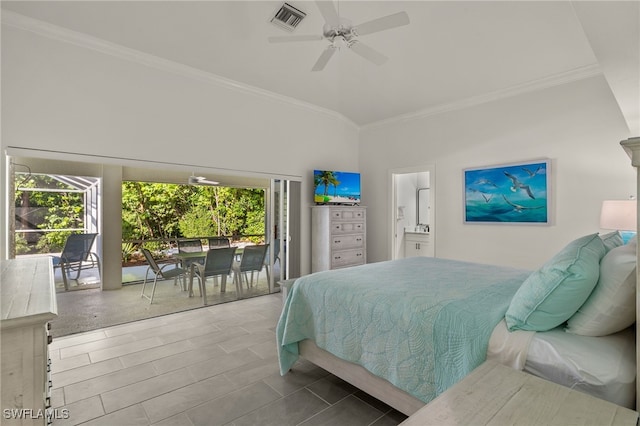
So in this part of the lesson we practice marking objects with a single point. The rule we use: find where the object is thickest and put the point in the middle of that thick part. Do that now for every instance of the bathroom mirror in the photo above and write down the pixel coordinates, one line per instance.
(422, 206)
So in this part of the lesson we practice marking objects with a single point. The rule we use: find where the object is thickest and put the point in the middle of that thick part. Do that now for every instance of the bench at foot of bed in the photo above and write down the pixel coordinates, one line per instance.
(495, 394)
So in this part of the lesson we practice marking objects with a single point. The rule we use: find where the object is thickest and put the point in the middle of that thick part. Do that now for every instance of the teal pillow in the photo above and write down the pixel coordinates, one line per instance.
(553, 293)
(611, 240)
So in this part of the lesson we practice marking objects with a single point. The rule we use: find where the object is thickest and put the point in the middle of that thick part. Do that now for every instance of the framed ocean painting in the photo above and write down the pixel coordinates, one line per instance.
(509, 193)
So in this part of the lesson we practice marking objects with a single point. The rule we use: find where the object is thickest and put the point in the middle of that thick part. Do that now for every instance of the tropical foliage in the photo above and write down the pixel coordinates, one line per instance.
(150, 211)
(158, 211)
(48, 210)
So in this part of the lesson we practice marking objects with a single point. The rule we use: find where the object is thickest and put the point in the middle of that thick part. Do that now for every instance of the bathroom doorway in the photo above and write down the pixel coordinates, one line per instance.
(412, 210)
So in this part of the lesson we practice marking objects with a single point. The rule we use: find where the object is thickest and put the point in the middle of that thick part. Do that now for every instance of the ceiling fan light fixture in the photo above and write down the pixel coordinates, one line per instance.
(340, 41)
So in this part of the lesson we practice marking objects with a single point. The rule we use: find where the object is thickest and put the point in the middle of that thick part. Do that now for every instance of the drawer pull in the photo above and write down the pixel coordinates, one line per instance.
(49, 339)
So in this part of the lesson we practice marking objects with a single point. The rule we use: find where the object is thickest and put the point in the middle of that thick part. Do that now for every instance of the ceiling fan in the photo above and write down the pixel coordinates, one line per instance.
(201, 180)
(341, 33)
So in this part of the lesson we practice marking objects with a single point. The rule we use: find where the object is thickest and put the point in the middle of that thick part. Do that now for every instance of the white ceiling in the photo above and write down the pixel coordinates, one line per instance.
(450, 53)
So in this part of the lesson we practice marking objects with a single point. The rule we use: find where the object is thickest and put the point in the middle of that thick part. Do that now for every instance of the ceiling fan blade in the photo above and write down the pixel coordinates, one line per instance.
(385, 23)
(368, 53)
(324, 58)
(329, 13)
(286, 39)
(201, 180)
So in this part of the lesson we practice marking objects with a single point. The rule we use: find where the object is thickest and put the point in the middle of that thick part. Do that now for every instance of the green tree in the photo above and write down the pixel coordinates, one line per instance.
(326, 178)
(149, 211)
(197, 222)
(57, 208)
(241, 212)
(154, 211)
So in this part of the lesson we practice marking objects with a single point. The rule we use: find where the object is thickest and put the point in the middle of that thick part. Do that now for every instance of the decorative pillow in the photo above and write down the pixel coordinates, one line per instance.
(553, 293)
(612, 305)
(612, 240)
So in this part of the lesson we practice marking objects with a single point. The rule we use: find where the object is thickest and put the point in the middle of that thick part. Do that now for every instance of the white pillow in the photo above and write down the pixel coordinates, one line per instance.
(611, 307)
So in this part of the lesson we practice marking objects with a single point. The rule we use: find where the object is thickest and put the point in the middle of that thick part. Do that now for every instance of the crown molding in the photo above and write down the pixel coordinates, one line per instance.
(84, 40)
(577, 74)
(66, 35)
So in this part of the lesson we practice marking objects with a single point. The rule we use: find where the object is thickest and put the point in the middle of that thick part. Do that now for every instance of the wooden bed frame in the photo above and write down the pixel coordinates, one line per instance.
(359, 377)
(632, 147)
(402, 401)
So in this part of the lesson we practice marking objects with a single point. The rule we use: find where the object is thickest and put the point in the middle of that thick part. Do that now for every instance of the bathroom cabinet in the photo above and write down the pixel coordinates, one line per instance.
(418, 244)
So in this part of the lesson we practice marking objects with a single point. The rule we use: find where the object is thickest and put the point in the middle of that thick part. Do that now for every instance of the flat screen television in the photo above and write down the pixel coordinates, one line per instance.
(333, 187)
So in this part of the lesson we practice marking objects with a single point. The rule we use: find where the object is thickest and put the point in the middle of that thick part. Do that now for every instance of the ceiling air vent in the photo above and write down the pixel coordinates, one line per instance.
(288, 17)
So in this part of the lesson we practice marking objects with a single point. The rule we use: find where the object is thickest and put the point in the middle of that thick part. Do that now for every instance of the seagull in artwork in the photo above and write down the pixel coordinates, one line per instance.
(486, 198)
(519, 185)
(518, 207)
(532, 173)
(486, 182)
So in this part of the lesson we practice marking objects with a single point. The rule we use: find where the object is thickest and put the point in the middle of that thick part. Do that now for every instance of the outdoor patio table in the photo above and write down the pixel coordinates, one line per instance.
(195, 257)
(188, 259)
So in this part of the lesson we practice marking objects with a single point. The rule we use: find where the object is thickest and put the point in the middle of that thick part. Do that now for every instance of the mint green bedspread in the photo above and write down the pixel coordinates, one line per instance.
(420, 323)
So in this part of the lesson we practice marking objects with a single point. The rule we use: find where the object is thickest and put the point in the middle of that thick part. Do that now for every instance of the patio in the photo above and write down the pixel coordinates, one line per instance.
(90, 307)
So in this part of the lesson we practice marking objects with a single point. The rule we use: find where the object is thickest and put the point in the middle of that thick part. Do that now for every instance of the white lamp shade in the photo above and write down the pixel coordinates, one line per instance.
(619, 214)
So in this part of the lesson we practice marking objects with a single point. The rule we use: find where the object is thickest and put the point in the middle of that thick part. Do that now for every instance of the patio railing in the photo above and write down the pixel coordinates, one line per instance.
(164, 247)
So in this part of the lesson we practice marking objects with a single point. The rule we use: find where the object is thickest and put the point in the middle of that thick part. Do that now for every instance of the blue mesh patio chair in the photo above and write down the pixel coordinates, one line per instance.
(252, 261)
(160, 272)
(218, 242)
(76, 256)
(217, 264)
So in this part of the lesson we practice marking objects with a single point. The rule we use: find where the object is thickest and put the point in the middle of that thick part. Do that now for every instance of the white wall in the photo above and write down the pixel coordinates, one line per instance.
(63, 97)
(577, 125)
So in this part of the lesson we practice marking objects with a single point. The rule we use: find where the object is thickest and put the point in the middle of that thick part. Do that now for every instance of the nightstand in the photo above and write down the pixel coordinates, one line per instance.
(497, 395)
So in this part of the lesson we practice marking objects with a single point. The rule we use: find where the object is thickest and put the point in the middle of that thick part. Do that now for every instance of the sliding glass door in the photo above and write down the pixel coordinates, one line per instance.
(283, 230)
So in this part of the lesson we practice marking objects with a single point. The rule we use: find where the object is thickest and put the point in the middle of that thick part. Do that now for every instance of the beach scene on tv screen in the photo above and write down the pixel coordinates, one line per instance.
(336, 187)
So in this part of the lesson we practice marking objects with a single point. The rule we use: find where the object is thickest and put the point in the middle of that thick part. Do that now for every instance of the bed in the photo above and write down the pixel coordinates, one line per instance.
(406, 330)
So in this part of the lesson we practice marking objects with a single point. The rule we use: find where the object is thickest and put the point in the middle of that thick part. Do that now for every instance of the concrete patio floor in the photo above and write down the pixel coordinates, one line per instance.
(86, 307)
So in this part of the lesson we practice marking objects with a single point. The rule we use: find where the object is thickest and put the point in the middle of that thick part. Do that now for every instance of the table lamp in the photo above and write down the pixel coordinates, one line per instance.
(620, 215)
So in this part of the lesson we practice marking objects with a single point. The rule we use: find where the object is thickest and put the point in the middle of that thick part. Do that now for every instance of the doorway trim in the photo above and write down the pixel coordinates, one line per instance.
(393, 203)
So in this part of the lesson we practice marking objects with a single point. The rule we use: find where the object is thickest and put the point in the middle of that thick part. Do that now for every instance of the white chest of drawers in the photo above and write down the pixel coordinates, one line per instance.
(28, 304)
(338, 237)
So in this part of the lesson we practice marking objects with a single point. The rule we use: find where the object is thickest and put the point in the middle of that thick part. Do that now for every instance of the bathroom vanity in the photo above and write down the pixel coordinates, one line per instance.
(418, 242)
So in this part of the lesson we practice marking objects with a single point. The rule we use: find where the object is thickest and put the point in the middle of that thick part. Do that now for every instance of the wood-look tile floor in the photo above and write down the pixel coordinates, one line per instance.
(210, 366)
